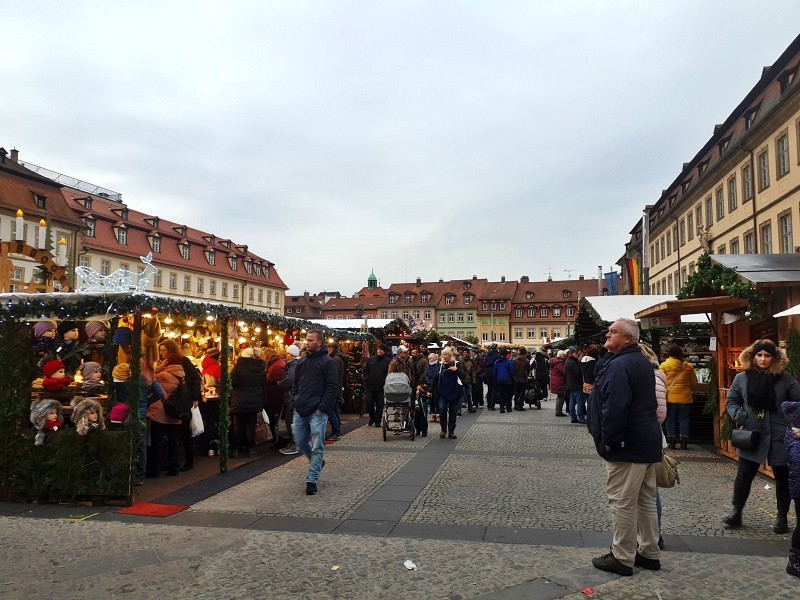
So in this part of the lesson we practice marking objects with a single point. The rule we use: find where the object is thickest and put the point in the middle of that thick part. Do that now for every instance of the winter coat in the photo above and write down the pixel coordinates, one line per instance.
(375, 372)
(492, 356)
(587, 369)
(286, 384)
(248, 385)
(148, 394)
(539, 367)
(503, 371)
(169, 377)
(419, 370)
(431, 371)
(772, 428)
(681, 380)
(446, 382)
(521, 369)
(212, 373)
(661, 396)
(194, 380)
(622, 409)
(469, 370)
(316, 384)
(341, 367)
(274, 394)
(791, 412)
(573, 377)
(400, 365)
(557, 376)
(480, 367)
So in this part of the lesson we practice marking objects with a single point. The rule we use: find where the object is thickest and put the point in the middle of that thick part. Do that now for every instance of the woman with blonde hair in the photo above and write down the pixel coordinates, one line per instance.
(447, 385)
(754, 404)
(681, 380)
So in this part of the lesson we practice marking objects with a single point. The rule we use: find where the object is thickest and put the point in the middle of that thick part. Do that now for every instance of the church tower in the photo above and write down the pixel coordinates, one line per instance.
(372, 281)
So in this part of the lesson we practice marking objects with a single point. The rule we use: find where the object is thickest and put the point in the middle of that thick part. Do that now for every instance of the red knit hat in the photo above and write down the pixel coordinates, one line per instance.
(51, 366)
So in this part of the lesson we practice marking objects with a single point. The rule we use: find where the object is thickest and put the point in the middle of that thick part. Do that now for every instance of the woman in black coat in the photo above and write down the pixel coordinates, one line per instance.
(248, 391)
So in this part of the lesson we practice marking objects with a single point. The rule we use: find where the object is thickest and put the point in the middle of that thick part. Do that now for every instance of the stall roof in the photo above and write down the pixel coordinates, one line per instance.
(352, 323)
(611, 308)
(459, 340)
(680, 308)
(789, 312)
(763, 269)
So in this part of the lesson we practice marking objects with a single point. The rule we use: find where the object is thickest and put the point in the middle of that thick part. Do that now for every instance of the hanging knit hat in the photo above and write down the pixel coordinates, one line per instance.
(246, 353)
(122, 337)
(88, 369)
(51, 366)
(122, 372)
(42, 327)
(119, 412)
(66, 326)
(93, 327)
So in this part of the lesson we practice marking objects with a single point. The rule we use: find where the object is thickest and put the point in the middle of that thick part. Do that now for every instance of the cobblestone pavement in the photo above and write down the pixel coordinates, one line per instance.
(514, 508)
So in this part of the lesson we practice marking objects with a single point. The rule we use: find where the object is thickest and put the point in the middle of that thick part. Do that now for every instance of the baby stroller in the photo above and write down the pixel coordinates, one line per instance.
(534, 392)
(398, 410)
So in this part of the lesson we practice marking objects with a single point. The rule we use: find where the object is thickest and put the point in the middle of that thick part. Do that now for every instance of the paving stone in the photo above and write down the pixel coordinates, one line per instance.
(380, 510)
(404, 493)
(298, 524)
(540, 589)
(438, 532)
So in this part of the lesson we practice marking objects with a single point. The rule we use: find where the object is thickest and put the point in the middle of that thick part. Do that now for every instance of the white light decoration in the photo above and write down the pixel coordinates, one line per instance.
(209, 318)
(240, 323)
(257, 330)
(242, 340)
(190, 323)
(120, 280)
(168, 320)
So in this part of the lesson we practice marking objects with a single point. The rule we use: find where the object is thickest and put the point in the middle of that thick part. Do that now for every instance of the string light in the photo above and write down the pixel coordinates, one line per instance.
(190, 323)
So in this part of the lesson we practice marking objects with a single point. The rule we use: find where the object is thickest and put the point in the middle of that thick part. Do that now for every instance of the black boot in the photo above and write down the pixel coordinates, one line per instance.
(684, 443)
(734, 520)
(781, 524)
(793, 567)
(672, 442)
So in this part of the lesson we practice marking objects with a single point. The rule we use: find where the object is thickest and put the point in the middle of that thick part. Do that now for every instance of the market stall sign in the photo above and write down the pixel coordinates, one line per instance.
(42, 257)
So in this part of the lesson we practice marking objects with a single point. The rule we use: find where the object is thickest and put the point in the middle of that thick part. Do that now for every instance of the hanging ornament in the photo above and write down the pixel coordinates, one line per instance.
(288, 339)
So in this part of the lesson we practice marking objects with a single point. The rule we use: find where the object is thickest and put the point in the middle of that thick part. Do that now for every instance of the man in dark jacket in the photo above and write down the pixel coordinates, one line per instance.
(573, 386)
(540, 369)
(488, 372)
(624, 425)
(402, 364)
(374, 377)
(341, 366)
(316, 391)
(521, 370)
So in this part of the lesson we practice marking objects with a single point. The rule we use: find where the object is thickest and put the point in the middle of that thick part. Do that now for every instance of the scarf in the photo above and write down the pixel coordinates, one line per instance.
(760, 390)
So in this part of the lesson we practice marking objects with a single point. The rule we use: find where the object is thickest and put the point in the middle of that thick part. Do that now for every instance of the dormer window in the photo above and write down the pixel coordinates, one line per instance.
(425, 297)
(211, 257)
(750, 117)
(466, 285)
(518, 312)
(502, 306)
(122, 234)
(226, 243)
(685, 185)
(701, 168)
(89, 230)
(448, 299)
(184, 247)
(787, 78)
(566, 294)
(392, 299)
(485, 306)
(528, 295)
(409, 297)
(181, 229)
(234, 262)
(266, 271)
(41, 201)
(723, 145)
(155, 243)
(468, 298)
(248, 266)
(87, 203)
(258, 269)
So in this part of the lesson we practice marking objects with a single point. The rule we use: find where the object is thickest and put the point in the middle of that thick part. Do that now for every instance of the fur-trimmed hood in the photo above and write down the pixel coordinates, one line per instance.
(779, 363)
(81, 419)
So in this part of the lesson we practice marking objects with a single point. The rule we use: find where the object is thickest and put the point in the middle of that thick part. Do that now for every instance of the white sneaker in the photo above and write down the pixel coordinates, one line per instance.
(211, 453)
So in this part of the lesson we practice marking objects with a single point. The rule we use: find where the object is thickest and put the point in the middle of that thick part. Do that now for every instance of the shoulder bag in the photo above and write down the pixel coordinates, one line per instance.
(667, 472)
(745, 439)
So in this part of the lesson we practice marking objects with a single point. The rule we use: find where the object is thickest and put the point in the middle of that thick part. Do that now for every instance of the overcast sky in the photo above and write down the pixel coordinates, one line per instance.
(421, 139)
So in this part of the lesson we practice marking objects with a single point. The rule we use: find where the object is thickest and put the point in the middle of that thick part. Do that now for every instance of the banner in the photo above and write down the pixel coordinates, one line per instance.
(633, 275)
(612, 283)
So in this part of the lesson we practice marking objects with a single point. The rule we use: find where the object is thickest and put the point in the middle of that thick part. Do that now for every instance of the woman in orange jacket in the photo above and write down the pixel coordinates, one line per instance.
(681, 380)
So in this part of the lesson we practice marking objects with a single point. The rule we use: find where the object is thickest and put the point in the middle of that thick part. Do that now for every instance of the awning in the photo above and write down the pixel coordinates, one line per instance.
(611, 308)
(763, 269)
(692, 306)
(789, 312)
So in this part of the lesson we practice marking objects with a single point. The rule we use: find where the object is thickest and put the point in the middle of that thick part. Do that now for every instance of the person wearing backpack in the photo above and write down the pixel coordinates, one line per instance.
(164, 428)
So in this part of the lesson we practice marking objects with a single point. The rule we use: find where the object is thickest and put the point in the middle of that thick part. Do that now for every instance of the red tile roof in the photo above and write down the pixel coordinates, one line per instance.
(107, 215)
(18, 186)
(553, 291)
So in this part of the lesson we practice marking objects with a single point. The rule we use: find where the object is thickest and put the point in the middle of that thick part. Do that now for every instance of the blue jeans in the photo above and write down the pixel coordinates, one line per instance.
(309, 435)
(468, 395)
(448, 411)
(678, 413)
(577, 409)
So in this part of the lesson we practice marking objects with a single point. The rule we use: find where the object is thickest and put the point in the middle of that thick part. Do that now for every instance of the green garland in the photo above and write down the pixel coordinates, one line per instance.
(713, 279)
(592, 313)
(39, 306)
(793, 353)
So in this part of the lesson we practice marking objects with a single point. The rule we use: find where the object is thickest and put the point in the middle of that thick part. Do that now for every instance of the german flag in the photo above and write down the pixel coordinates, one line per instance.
(633, 274)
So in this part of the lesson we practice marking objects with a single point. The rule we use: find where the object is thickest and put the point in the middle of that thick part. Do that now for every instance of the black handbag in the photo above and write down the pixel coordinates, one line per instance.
(745, 439)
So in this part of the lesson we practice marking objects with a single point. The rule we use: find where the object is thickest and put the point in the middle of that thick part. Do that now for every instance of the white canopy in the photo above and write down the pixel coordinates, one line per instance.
(611, 308)
(795, 310)
(351, 323)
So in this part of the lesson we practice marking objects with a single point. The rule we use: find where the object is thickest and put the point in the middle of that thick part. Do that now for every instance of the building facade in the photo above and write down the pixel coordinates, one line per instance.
(740, 194)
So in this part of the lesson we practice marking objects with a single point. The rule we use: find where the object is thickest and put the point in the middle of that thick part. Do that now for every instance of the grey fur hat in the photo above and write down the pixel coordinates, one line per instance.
(80, 415)
(39, 410)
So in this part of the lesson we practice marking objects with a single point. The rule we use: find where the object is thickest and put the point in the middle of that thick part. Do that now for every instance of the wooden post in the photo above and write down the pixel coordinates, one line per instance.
(224, 397)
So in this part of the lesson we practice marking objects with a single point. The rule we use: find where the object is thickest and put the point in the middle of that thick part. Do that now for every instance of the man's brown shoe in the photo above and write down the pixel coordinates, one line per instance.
(609, 563)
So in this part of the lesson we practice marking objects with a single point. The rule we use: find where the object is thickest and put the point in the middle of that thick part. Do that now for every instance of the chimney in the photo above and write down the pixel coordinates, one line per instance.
(580, 277)
(524, 279)
(3, 155)
(503, 279)
(474, 277)
(441, 280)
(419, 280)
(14, 155)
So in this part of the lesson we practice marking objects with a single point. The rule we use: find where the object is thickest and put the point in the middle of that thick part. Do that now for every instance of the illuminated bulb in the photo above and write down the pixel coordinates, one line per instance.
(171, 334)
(330, 340)
(209, 318)
(185, 336)
(257, 330)
(242, 340)
(168, 320)
(269, 331)
(218, 339)
(245, 329)
(304, 330)
(240, 323)
(190, 323)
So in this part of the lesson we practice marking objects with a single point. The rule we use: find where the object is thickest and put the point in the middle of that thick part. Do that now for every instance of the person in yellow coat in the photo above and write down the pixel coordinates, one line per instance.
(681, 380)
